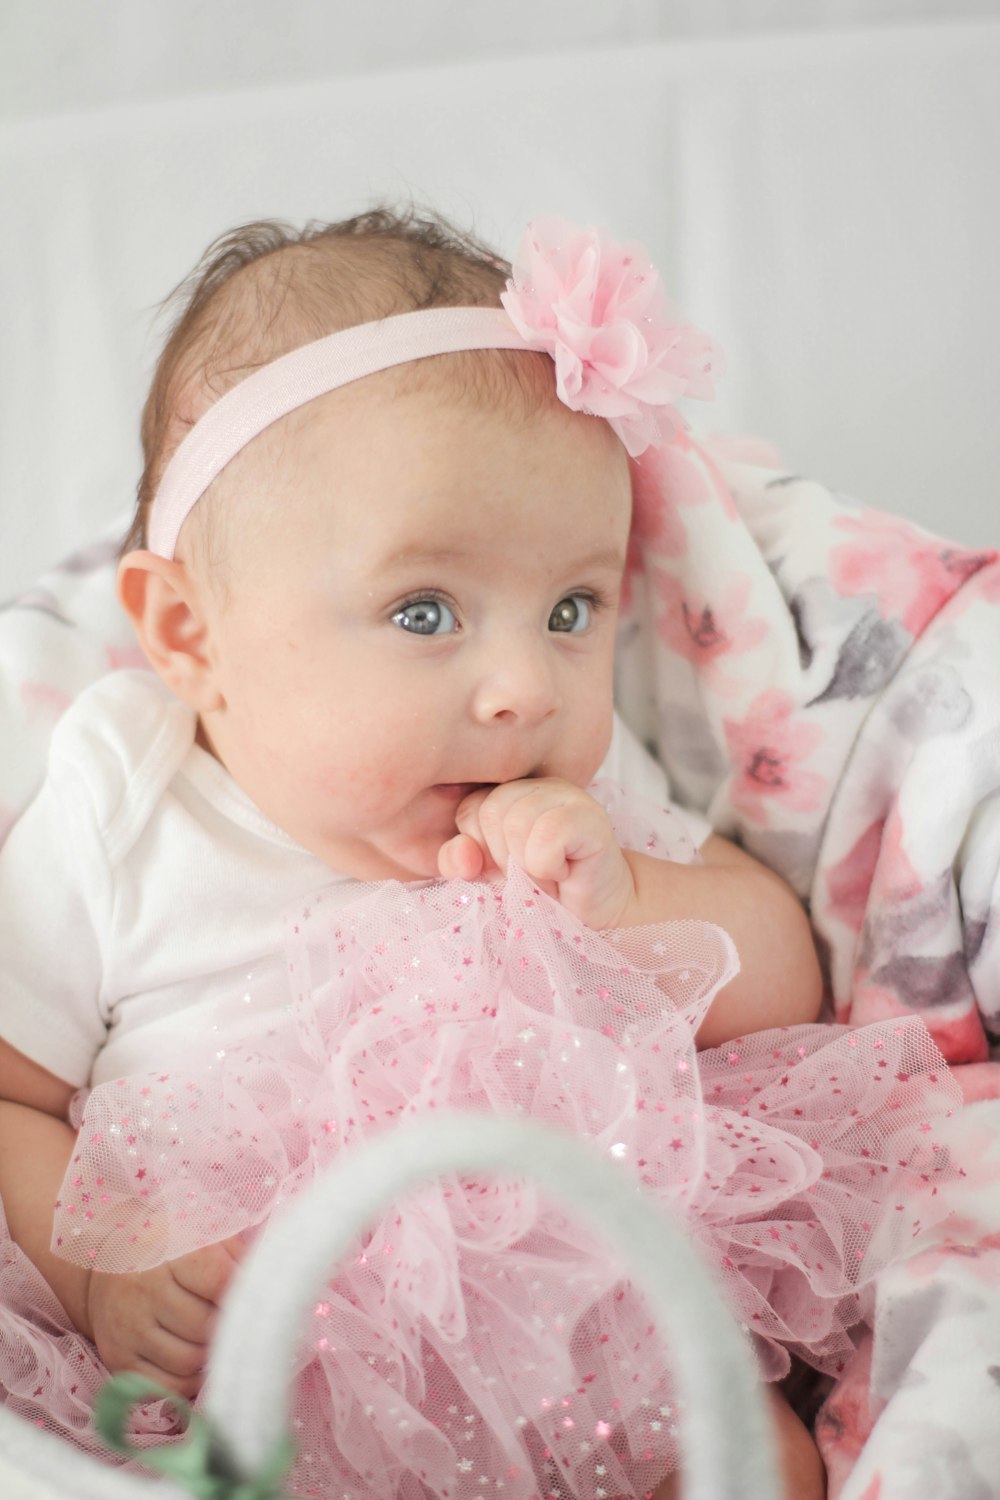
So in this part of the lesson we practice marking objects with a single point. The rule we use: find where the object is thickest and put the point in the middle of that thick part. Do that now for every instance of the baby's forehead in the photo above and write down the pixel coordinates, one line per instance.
(443, 447)
(454, 397)
(372, 479)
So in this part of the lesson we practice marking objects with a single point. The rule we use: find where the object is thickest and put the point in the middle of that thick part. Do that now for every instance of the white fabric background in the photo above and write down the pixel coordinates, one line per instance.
(83, 54)
(822, 199)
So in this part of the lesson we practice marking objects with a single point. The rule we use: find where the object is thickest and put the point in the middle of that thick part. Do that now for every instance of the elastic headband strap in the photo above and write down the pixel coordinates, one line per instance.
(300, 376)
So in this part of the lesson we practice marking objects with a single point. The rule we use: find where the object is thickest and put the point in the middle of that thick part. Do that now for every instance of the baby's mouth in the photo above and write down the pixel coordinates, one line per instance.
(456, 790)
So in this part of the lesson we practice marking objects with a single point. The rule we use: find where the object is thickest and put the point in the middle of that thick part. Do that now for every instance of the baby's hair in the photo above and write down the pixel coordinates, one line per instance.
(267, 287)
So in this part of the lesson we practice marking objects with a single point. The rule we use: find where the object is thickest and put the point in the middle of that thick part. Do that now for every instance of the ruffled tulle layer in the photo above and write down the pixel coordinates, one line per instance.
(477, 1329)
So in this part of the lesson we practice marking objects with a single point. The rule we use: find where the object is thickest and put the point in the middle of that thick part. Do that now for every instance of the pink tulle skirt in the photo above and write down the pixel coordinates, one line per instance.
(478, 1329)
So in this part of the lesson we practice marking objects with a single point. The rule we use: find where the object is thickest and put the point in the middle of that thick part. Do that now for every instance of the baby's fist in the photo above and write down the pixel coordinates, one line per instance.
(556, 833)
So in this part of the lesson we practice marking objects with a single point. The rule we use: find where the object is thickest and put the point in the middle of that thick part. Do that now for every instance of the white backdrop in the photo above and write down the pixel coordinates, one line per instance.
(822, 197)
(59, 55)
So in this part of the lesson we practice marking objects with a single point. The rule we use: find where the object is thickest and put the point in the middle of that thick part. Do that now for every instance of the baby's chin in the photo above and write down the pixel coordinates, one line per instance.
(408, 860)
(421, 864)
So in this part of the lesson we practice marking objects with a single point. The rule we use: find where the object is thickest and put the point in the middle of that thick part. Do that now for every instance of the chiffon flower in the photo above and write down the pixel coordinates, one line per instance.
(620, 348)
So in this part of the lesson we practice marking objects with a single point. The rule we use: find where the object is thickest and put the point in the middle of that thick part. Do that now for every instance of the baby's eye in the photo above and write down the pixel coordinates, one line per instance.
(425, 617)
(571, 615)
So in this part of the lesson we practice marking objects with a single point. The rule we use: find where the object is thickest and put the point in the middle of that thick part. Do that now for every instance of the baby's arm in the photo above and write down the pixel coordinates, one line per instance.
(155, 1322)
(564, 840)
(779, 983)
(36, 1144)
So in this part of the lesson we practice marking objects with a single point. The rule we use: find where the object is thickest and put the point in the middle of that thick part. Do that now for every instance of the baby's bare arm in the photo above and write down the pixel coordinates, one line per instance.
(779, 982)
(799, 1464)
(36, 1145)
(157, 1322)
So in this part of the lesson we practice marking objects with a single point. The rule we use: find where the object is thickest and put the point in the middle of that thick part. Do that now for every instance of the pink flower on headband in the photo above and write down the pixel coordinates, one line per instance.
(620, 348)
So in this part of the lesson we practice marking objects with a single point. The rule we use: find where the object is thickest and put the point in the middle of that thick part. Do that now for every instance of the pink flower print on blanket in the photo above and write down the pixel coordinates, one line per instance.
(849, 881)
(907, 958)
(767, 750)
(908, 573)
(667, 479)
(876, 862)
(708, 635)
(657, 529)
(664, 482)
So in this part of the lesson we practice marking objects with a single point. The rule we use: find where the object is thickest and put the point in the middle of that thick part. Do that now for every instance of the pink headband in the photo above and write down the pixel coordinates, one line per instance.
(619, 348)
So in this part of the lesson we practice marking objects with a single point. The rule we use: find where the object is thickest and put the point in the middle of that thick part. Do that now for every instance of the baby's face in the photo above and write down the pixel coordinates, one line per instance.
(426, 602)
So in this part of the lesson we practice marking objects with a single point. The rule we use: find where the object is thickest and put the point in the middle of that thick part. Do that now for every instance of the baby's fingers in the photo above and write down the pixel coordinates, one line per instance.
(480, 830)
(175, 1356)
(461, 858)
(552, 827)
(543, 849)
(187, 1386)
(187, 1315)
(485, 817)
(208, 1272)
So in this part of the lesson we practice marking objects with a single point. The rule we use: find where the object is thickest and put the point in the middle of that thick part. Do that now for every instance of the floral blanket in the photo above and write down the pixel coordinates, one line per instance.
(822, 680)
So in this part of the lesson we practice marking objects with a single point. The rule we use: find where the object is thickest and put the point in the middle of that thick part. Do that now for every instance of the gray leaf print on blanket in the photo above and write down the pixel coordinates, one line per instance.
(904, 921)
(931, 701)
(943, 1467)
(904, 1325)
(867, 659)
(801, 635)
(975, 930)
(922, 983)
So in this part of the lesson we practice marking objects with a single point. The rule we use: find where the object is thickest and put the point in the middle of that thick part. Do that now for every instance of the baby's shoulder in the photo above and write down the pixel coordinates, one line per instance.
(120, 742)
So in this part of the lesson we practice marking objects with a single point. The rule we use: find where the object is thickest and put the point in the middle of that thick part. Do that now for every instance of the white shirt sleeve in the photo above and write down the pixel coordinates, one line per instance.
(630, 764)
(50, 952)
(110, 756)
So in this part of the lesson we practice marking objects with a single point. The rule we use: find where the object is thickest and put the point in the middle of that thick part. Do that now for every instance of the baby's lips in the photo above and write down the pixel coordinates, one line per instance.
(482, 789)
(477, 794)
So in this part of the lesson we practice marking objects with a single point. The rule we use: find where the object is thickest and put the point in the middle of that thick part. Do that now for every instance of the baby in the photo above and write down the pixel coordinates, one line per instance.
(376, 563)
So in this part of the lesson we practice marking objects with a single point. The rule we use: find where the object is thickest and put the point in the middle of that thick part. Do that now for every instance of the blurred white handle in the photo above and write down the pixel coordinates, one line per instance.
(728, 1453)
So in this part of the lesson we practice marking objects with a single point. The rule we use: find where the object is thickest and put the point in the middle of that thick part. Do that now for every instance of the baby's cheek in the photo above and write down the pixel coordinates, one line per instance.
(586, 752)
(360, 782)
(364, 780)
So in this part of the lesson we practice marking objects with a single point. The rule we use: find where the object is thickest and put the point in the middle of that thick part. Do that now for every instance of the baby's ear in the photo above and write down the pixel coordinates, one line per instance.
(161, 599)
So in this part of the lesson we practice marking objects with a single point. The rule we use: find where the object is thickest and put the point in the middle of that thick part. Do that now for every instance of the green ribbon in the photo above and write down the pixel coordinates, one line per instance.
(200, 1462)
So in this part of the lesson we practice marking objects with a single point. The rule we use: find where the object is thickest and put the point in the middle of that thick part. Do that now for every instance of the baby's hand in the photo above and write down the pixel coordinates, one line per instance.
(558, 835)
(159, 1323)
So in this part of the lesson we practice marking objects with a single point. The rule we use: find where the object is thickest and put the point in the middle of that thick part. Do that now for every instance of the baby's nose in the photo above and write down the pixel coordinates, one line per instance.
(518, 686)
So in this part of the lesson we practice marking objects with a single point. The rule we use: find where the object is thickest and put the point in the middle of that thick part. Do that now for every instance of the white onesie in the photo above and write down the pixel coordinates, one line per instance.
(142, 892)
